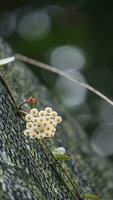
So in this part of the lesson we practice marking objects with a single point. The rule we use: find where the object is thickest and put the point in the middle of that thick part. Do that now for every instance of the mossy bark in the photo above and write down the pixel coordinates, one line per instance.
(28, 171)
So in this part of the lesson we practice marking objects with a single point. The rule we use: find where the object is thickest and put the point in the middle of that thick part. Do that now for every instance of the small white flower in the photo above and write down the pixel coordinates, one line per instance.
(38, 124)
(29, 118)
(40, 136)
(54, 124)
(52, 133)
(48, 133)
(48, 128)
(35, 120)
(33, 134)
(27, 132)
(41, 113)
(58, 119)
(51, 122)
(47, 118)
(41, 119)
(29, 125)
(35, 128)
(34, 112)
(53, 114)
(41, 124)
(53, 129)
(44, 123)
(48, 110)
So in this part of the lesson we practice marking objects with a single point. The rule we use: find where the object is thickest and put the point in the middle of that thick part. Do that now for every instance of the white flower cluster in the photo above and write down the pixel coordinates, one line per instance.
(41, 124)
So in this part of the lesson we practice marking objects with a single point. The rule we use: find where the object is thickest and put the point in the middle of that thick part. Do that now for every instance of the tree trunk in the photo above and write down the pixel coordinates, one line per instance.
(28, 170)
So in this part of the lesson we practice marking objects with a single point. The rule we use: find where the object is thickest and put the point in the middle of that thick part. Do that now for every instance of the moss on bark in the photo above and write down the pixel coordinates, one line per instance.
(28, 170)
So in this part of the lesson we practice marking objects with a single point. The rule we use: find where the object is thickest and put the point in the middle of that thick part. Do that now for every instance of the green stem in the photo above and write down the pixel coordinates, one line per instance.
(76, 192)
(23, 112)
(20, 106)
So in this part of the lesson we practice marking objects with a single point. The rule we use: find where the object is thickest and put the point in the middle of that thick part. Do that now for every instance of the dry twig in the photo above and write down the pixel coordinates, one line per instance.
(63, 74)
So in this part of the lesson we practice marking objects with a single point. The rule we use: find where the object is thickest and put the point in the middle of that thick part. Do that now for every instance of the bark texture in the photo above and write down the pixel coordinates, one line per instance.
(28, 171)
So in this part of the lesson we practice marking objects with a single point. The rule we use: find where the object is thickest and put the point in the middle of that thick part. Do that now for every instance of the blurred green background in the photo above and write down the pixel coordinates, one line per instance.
(75, 36)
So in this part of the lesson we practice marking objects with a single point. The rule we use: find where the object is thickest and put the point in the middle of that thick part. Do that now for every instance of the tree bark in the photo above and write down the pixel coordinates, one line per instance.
(28, 170)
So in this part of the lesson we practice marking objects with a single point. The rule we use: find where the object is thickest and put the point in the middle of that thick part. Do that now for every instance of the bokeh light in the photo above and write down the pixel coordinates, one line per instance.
(83, 115)
(102, 139)
(70, 93)
(34, 25)
(65, 57)
(105, 113)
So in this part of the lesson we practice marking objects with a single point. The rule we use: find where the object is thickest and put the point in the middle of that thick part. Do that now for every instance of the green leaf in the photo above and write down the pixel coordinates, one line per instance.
(91, 197)
(62, 157)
